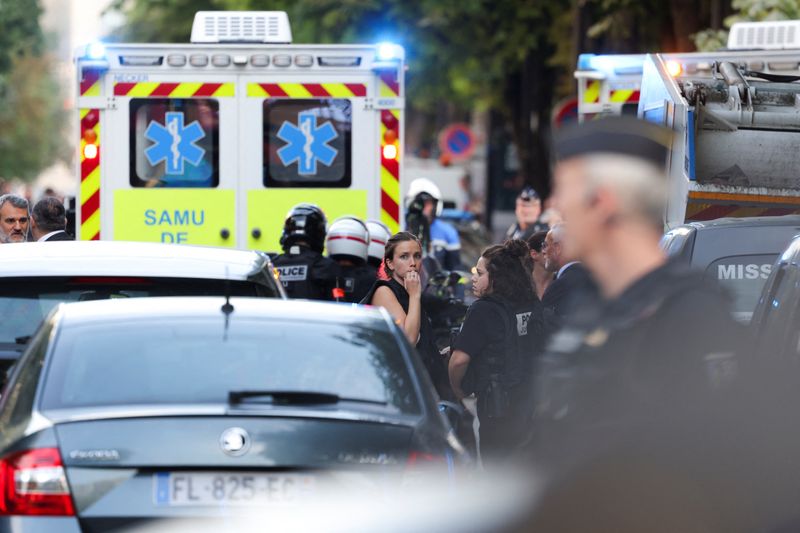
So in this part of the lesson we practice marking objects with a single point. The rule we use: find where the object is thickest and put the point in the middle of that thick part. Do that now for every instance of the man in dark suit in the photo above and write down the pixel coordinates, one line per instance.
(49, 221)
(572, 284)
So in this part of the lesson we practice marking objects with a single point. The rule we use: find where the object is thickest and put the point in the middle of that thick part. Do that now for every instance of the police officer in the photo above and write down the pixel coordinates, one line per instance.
(379, 235)
(659, 345)
(439, 238)
(304, 271)
(528, 211)
(347, 243)
(493, 353)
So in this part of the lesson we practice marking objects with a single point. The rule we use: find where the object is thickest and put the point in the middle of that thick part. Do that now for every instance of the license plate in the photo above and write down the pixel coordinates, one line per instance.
(221, 488)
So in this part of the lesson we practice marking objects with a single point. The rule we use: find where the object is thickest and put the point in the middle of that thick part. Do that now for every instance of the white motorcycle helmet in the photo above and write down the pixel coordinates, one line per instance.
(379, 235)
(424, 188)
(348, 237)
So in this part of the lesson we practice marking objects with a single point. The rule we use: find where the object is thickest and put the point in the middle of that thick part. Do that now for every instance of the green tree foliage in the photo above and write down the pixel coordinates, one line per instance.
(31, 119)
(31, 106)
(19, 31)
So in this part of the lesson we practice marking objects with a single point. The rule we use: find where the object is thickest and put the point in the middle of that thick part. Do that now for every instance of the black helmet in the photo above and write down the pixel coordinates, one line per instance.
(306, 223)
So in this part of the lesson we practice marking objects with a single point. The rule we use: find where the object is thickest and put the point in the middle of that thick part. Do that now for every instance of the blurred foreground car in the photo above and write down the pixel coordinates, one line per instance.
(35, 277)
(776, 318)
(175, 407)
(736, 252)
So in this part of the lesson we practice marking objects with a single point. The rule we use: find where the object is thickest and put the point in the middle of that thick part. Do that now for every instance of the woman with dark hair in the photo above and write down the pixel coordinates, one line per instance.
(542, 278)
(493, 354)
(399, 290)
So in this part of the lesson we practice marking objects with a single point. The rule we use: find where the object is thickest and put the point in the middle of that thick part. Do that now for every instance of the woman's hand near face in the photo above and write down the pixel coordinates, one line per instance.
(412, 284)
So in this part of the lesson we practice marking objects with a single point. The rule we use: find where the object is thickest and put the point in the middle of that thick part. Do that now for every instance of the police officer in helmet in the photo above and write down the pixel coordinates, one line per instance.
(439, 238)
(347, 243)
(304, 271)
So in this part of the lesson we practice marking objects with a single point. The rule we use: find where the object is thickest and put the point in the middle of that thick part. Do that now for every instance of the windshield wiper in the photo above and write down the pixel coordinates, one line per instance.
(23, 340)
(294, 397)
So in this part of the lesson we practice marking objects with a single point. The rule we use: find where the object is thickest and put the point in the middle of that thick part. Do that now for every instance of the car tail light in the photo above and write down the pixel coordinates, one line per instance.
(423, 467)
(33, 482)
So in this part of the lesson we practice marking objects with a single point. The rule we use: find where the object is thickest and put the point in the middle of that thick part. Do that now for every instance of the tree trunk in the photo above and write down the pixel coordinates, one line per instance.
(686, 21)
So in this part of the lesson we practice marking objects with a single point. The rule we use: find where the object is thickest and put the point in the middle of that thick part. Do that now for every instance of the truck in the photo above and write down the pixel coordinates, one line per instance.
(213, 141)
(736, 117)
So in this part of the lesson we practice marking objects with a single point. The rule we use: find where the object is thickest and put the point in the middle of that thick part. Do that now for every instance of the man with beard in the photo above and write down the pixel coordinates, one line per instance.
(13, 218)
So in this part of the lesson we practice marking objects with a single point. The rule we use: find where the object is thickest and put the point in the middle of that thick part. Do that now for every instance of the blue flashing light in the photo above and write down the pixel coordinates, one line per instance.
(585, 61)
(389, 51)
(96, 50)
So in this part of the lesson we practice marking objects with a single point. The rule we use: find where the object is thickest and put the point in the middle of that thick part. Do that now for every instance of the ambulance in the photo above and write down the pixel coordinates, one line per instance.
(212, 142)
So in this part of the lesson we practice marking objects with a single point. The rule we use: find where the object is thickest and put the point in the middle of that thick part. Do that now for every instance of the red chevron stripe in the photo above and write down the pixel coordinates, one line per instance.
(164, 89)
(390, 79)
(388, 120)
(273, 89)
(122, 89)
(316, 89)
(90, 77)
(358, 89)
(634, 97)
(390, 206)
(90, 120)
(89, 207)
(207, 89)
(392, 166)
(88, 165)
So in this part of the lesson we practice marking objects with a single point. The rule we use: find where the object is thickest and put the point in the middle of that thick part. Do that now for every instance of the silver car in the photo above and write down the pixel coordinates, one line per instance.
(35, 277)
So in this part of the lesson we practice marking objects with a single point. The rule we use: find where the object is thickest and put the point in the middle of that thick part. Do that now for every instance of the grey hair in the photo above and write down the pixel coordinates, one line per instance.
(641, 187)
(15, 200)
(557, 231)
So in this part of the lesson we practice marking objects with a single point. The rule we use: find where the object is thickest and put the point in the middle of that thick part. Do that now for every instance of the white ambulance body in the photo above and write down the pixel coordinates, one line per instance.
(211, 143)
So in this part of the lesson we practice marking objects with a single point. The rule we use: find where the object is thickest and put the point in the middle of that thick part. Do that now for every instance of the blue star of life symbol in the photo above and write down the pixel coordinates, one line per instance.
(174, 143)
(307, 143)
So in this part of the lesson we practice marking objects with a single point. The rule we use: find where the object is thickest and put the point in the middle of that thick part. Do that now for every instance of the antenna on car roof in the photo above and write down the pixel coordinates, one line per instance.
(227, 308)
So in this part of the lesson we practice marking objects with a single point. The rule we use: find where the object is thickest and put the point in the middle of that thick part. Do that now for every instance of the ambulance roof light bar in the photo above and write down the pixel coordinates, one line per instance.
(270, 27)
(767, 35)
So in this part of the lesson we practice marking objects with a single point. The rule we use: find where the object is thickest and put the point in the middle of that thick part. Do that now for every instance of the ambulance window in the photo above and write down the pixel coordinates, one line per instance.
(630, 109)
(307, 142)
(174, 142)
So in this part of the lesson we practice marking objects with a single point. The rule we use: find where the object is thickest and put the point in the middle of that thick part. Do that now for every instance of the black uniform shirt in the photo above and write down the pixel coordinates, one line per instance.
(355, 281)
(485, 333)
(666, 342)
(307, 274)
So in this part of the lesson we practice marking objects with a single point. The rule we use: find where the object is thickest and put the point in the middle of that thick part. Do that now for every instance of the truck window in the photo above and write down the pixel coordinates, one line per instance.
(307, 142)
(174, 142)
(744, 277)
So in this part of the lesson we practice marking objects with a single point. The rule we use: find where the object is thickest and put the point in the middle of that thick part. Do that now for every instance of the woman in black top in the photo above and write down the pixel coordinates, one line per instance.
(401, 295)
(493, 353)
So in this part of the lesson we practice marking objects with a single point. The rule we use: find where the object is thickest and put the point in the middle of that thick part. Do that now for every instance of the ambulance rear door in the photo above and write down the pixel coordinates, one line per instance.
(313, 128)
(169, 160)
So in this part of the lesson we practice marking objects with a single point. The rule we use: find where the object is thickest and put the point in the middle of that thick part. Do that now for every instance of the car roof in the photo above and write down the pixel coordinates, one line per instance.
(166, 308)
(118, 258)
(785, 220)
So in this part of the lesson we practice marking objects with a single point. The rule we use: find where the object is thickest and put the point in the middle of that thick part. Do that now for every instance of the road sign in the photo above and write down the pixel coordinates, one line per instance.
(458, 141)
(565, 112)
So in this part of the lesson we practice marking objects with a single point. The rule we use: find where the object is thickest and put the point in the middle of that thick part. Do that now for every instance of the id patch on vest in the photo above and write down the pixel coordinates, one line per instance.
(522, 323)
(293, 272)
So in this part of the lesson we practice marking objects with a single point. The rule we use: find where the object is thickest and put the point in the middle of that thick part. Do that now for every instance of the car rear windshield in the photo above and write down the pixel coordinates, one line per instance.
(199, 361)
(24, 302)
(743, 276)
